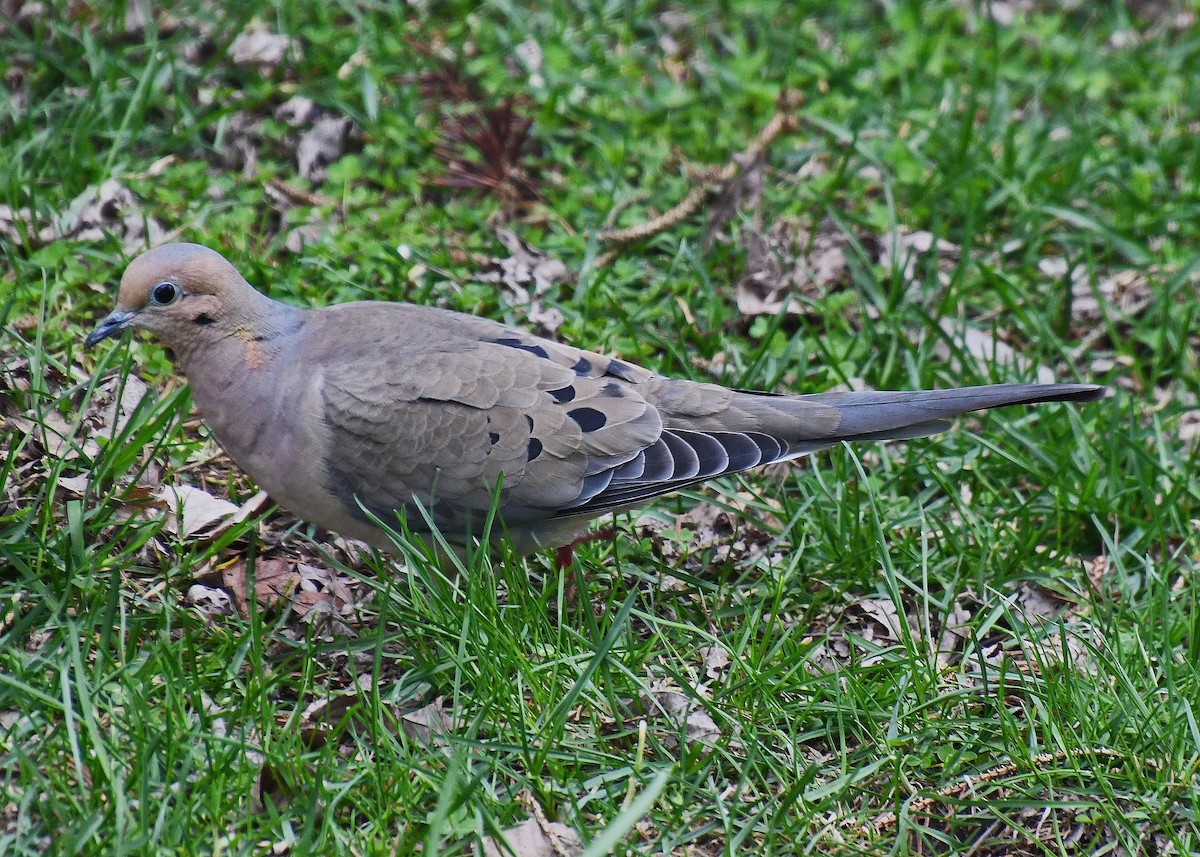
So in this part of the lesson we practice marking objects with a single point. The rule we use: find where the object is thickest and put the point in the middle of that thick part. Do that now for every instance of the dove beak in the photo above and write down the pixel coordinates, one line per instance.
(110, 325)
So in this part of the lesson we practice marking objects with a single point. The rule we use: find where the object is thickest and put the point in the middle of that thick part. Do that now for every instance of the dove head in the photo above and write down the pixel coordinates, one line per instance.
(185, 294)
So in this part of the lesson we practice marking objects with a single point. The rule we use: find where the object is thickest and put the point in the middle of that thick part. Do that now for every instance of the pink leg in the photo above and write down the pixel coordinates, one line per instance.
(565, 555)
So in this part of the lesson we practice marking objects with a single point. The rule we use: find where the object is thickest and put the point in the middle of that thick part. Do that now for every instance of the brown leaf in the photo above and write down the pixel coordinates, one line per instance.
(881, 622)
(256, 505)
(308, 589)
(1037, 601)
(271, 788)
(108, 209)
(113, 404)
(209, 601)
(274, 580)
(298, 112)
(955, 630)
(1189, 427)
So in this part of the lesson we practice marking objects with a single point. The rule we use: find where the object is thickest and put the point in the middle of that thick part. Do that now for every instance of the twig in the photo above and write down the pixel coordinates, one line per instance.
(888, 819)
(784, 120)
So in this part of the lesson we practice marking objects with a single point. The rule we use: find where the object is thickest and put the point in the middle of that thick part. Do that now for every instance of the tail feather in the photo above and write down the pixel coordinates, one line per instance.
(800, 425)
(874, 415)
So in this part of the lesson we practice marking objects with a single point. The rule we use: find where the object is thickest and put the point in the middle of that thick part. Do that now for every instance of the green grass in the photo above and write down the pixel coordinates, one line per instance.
(134, 723)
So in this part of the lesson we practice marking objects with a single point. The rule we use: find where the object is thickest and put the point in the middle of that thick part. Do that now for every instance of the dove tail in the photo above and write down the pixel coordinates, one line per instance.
(763, 428)
(884, 415)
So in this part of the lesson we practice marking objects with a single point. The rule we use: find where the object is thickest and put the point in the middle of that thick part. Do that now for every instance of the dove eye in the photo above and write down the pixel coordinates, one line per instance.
(165, 293)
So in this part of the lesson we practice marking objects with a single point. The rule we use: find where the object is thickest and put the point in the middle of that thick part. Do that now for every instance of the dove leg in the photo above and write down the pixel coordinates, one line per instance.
(565, 555)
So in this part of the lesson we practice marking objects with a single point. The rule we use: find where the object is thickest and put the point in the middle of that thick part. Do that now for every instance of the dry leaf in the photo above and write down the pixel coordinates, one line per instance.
(321, 145)
(985, 349)
(241, 134)
(1189, 427)
(271, 788)
(256, 505)
(192, 510)
(110, 209)
(113, 404)
(663, 701)
(76, 485)
(274, 580)
(716, 660)
(886, 623)
(902, 250)
(428, 724)
(524, 268)
(1037, 601)
(308, 589)
(258, 46)
(788, 266)
(535, 838)
(298, 112)
(209, 601)
(955, 630)
(744, 192)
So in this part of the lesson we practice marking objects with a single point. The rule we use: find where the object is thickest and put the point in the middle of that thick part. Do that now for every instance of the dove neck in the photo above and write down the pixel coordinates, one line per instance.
(254, 327)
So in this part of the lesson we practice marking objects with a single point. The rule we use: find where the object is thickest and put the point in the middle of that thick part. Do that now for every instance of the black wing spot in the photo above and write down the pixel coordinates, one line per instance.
(493, 438)
(529, 421)
(582, 366)
(620, 369)
(563, 394)
(589, 419)
(612, 388)
(535, 448)
(514, 342)
(203, 319)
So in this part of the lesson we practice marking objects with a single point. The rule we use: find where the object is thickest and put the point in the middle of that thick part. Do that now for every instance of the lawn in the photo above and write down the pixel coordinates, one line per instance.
(983, 642)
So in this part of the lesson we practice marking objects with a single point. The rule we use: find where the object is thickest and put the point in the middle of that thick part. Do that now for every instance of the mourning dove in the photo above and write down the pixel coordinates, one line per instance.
(361, 411)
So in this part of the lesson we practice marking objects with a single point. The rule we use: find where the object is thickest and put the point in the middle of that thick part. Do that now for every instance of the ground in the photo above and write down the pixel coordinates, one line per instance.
(983, 642)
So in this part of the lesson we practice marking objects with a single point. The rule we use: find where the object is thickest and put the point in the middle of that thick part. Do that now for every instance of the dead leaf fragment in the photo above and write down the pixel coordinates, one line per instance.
(115, 401)
(986, 349)
(903, 250)
(209, 601)
(716, 660)
(298, 112)
(526, 268)
(1189, 427)
(307, 588)
(430, 723)
(321, 145)
(100, 211)
(663, 701)
(259, 46)
(788, 266)
(192, 510)
(534, 838)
